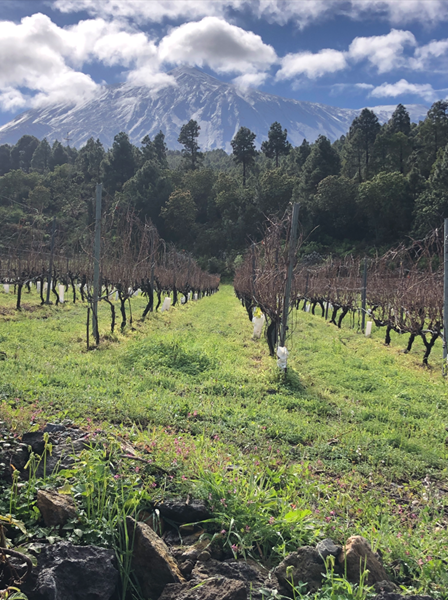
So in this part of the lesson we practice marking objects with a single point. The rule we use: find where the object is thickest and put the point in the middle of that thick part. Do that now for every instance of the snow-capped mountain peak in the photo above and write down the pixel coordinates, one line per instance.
(219, 108)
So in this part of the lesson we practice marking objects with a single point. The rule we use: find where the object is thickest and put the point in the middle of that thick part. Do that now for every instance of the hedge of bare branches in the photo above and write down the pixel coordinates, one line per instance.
(404, 291)
(133, 258)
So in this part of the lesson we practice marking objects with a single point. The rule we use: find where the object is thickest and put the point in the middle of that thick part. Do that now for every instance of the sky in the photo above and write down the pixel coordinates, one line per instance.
(349, 54)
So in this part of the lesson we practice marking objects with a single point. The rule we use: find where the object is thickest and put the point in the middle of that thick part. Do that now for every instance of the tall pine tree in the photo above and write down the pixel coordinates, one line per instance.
(188, 137)
(244, 151)
(277, 144)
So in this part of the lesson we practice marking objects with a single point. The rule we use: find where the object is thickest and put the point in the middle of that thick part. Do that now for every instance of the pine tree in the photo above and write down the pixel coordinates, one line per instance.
(276, 144)
(322, 161)
(438, 119)
(41, 157)
(89, 160)
(400, 122)
(244, 151)
(5, 159)
(160, 149)
(59, 155)
(120, 163)
(22, 152)
(360, 140)
(147, 149)
(188, 138)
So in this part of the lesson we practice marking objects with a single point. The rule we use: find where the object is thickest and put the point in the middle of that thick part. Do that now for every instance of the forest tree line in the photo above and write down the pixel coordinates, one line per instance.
(369, 189)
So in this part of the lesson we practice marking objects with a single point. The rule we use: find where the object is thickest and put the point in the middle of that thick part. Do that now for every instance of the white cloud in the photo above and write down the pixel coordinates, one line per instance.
(250, 80)
(213, 42)
(302, 13)
(385, 52)
(424, 56)
(311, 65)
(149, 11)
(12, 99)
(150, 78)
(424, 90)
(45, 60)
(32, 56)
(399, 12)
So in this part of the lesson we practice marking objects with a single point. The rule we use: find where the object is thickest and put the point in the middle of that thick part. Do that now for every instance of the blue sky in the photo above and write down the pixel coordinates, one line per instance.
(345, 53)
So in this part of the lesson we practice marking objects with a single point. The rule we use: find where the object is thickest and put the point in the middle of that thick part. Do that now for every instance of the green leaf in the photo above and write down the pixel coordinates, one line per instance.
(294, 516)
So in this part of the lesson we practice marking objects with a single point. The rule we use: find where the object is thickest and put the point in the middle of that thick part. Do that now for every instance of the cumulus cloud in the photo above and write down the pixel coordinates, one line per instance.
(45, 60)
(311, 65)
(213, 42)
(385, 52)
(424, 56)
(396, 12)
(424, 90)
(153, 11)
(12, 99)
(250, 80)
(32, 56)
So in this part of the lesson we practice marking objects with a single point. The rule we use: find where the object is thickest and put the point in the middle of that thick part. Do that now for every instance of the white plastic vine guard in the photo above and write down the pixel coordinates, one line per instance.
(282, 354)
(258, 326)
(166, 304)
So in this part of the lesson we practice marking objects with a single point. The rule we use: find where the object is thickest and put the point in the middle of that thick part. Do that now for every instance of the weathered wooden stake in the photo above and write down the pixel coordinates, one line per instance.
(50, 267)
(364, 295)
(96, 267)
(291, 257)
(445, 293)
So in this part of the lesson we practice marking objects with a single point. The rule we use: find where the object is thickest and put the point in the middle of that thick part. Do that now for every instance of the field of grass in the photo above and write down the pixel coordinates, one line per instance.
(352, 441)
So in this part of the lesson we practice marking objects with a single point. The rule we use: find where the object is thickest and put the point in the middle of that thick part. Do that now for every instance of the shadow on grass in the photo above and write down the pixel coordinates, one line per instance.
(290, 381)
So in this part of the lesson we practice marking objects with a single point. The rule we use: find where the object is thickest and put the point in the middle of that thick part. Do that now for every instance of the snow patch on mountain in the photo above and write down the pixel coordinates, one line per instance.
(220, 109)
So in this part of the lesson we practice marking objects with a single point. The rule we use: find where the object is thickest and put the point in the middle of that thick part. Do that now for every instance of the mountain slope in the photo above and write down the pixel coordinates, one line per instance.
(220, 109)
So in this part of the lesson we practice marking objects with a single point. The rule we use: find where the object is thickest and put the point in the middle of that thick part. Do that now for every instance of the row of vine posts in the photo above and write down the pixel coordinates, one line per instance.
(127, 258)
(402, 291)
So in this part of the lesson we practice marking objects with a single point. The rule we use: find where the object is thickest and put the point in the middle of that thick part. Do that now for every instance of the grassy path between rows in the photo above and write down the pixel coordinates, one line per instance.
(353, 440)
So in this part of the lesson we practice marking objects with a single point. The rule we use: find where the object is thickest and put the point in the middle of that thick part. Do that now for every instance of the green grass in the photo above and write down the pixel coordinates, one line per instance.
(352, 441)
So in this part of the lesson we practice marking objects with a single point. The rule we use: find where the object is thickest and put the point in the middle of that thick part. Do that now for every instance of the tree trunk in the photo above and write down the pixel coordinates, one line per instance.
(123, 312)
(271, 334)
(112, 310)
(53, 289)
(150, 304)
(159, 298)
(174, 295)
(342, 315)
(42, 299)
(72, 282)
(428, 345)
(19, 296)
(410, 342)
(334, 314)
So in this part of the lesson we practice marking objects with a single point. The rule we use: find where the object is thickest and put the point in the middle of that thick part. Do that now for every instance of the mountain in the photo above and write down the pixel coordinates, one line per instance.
(220, 109)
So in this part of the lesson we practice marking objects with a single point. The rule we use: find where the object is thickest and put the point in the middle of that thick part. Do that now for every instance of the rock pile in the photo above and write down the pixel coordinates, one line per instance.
(191, 568)
(195, 571)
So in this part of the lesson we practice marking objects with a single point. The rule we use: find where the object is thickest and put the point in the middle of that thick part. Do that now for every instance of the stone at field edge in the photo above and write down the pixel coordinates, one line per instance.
(152, 563)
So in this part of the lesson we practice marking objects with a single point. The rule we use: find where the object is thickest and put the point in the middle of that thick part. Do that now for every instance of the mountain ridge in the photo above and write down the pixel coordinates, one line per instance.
(219, 107)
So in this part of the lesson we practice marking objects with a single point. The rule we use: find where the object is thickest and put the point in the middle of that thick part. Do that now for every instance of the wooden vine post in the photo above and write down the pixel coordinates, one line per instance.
(291, 260)
(50, 267)
(96, 264)
(445, 295)
(364, 296)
